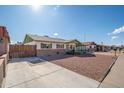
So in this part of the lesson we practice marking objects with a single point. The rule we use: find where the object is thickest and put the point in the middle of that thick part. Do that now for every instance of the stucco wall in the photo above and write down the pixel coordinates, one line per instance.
(46, 52)
(53, 45)
(3, 68)
(5, 57)
(65, 46)
(91, 47)
(38, 44)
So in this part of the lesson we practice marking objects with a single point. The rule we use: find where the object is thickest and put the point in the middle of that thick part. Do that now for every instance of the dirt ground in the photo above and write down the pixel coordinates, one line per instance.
(94, 67)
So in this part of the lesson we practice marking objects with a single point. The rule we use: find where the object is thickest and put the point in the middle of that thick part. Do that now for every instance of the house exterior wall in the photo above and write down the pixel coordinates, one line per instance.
(103, 48)
(71, 46)
(4, 51)
(53, 45)
(65, 46)
(49, 52)
(38, 44)
(92, 48)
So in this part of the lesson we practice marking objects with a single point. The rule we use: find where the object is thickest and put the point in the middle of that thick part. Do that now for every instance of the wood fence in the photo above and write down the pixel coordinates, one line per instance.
(16, 51)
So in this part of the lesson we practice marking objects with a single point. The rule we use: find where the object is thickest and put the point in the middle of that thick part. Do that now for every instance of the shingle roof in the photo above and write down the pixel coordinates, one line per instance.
(47, 38)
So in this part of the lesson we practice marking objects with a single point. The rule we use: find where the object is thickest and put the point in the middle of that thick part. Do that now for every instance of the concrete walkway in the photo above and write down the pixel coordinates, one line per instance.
(115, 78)
(23, 73)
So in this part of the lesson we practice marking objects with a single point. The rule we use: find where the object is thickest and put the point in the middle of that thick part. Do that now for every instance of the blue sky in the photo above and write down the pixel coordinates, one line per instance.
(96, 23)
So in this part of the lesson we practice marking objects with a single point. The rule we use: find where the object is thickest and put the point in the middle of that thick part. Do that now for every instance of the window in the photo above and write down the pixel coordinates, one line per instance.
(59, 45)
(94, 46)
(71, 47)
(46, 45)
(67, 46)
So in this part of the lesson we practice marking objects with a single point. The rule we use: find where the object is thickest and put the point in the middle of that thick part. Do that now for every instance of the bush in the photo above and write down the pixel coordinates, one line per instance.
(71, 52)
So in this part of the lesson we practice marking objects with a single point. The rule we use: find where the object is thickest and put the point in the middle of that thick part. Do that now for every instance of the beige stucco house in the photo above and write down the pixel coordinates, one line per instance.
(47, 45)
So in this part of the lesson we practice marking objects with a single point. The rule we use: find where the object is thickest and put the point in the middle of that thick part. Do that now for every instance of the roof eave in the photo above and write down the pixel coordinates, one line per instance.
(49, 41)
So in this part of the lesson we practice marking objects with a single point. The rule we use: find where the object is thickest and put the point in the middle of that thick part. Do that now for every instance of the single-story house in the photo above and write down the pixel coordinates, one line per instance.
(47, 45)
(90, 46)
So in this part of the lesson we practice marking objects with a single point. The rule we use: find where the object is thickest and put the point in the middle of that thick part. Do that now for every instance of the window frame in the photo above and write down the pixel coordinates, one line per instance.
(45, 46)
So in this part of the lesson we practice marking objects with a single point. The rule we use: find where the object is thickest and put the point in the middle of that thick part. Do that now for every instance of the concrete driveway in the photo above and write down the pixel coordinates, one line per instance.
(36, 73)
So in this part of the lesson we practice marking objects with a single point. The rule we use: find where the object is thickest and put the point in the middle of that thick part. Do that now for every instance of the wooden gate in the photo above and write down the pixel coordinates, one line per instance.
(17, 51)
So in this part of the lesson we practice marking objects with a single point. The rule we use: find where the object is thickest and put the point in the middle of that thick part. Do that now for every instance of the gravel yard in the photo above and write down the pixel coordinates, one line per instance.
(94, 67)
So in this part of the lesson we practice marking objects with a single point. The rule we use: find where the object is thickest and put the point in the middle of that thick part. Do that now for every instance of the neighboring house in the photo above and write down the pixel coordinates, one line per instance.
(93, 47)
(103, 48)
(47, 45)
(4, 50)
(4, 40)
(90, 46)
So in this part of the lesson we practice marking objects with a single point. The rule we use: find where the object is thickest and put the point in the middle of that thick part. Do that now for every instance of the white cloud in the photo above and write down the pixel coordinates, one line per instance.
(55, 34)
(117, 31)
(114, 37)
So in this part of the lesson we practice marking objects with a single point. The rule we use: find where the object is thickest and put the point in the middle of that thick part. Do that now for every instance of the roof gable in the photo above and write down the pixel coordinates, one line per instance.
(78, 43)
(27, 39)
